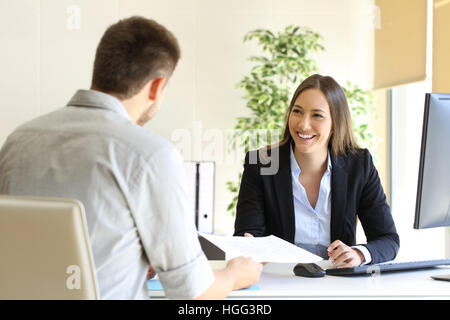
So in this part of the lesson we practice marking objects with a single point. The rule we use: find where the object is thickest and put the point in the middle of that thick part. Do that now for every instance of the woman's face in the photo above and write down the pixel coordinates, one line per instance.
(310, 122)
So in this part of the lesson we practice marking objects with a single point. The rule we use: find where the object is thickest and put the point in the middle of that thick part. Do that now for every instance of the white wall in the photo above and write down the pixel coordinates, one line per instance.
(47, 54)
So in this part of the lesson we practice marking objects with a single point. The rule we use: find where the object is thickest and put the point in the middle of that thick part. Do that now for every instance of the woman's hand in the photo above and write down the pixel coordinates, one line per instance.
(339, 252)
(151, 273)
(249, 235)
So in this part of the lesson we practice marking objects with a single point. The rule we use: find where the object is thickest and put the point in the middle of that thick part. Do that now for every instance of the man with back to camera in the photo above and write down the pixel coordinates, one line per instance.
(130, 180)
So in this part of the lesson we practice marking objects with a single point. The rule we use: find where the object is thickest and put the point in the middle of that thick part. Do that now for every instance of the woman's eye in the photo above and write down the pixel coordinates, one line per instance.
(318, 115)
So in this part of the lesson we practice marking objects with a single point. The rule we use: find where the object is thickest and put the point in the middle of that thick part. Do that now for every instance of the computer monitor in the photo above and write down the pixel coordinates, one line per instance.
(433, 187)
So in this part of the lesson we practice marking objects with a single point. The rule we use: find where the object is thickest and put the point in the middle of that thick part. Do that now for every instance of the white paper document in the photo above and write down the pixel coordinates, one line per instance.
(261, 249)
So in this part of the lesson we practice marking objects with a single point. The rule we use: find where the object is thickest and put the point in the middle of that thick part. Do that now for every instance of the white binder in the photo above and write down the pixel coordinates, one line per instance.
(200, 177)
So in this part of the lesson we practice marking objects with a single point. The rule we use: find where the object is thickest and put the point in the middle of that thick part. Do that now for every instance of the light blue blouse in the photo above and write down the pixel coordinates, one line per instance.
(312, 225)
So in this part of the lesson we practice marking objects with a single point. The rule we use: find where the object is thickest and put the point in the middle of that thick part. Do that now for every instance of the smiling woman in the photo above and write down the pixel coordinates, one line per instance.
(310, 127)
(323, 184)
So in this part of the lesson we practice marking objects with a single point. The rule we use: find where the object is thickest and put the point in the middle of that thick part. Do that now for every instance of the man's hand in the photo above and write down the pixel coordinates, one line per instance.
(339, 252)
(239, 273)
(245, 272)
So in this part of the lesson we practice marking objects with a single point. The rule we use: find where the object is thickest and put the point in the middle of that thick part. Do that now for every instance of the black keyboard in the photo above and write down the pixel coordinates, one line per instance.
(387, 267)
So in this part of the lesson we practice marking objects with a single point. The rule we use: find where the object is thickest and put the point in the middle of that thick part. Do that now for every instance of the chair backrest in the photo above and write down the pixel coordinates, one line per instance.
(44, 250)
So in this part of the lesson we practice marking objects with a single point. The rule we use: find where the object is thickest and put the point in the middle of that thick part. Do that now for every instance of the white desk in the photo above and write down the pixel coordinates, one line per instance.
(275, 283)
(395, 285)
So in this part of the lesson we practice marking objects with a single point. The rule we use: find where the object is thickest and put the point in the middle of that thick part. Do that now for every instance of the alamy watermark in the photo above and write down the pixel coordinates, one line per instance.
(227, 147)
(374, 281)
(73, 21)
(375, 17)
(73, 281)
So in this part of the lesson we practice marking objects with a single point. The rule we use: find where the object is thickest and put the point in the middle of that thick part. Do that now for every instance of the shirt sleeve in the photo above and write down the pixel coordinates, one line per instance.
(365, 252)
(166, 228)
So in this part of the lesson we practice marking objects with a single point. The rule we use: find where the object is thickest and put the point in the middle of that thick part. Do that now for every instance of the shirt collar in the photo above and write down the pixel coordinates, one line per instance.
(296, 169)
(97, 99)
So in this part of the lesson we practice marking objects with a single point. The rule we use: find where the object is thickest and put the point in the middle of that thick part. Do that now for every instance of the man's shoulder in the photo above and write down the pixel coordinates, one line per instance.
(97, 129)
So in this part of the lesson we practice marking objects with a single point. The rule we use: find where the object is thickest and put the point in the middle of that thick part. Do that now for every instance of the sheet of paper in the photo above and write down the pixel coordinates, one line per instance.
(261, 249)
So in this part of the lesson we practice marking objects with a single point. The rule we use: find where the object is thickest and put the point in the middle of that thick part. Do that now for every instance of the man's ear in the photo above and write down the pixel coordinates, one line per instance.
(156, 87)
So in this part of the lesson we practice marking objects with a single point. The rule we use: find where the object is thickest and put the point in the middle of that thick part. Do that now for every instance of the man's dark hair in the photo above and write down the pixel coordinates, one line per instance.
(132, 52)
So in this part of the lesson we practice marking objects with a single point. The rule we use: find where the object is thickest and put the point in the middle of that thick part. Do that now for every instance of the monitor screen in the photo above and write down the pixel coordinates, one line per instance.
(433, 188)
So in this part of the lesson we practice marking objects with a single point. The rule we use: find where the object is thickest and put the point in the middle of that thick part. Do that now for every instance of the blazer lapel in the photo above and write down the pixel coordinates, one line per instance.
(339, 183)
(283, 189)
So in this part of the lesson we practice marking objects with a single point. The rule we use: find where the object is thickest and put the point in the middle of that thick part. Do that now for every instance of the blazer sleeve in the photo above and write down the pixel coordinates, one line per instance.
(250, 206)
(375, 215)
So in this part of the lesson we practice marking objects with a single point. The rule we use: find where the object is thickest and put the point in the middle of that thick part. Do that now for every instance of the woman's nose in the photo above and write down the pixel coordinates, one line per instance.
(304, 124)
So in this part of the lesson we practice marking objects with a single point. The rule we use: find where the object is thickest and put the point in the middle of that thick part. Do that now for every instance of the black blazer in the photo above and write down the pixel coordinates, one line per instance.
(265, 203)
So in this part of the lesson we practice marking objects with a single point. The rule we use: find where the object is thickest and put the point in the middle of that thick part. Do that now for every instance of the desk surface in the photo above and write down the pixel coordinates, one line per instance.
(278, 282)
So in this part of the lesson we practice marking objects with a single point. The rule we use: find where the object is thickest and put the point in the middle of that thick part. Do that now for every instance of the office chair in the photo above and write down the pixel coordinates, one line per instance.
(44, 250)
